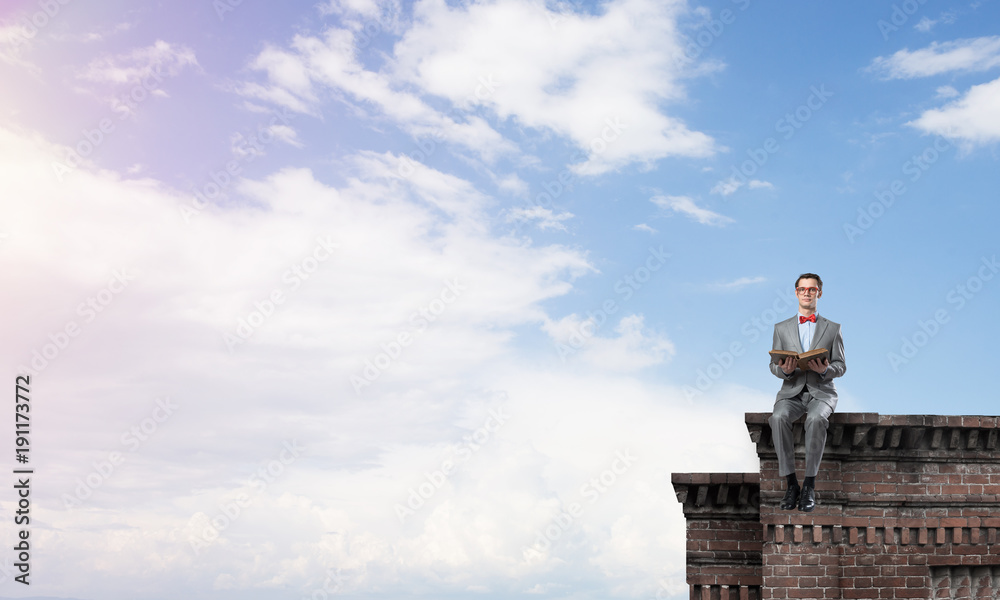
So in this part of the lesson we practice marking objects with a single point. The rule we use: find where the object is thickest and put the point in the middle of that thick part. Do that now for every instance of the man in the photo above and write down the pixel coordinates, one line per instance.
(810, 392)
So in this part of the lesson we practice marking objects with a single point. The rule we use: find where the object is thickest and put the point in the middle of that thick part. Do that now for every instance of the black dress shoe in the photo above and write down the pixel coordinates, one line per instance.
(791, 498)
(807, 501)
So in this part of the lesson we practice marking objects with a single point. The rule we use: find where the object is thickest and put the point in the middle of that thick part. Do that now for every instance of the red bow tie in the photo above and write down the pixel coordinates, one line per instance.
(809, 318)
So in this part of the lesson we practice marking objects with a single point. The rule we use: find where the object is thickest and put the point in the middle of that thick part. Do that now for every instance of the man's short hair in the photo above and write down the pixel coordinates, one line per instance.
(809, 276)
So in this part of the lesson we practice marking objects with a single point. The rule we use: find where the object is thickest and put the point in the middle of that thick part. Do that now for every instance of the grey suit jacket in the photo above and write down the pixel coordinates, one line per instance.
(827, 335)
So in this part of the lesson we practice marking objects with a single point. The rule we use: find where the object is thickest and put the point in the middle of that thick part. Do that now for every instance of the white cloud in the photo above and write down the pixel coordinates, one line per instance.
(102, 34)
(738, 284)
(513, 184)
(946, 91)
(973, 118)
(686, 206)
(330, 63)
(549, 73)
(976, 54)
(518, 61)
(286, 134)
(370, 16)
(157, 60)
(924, 25)
(729, 186)
(576, 338)
(545, 218)
(14, 39)
(396, 243)
(644, 227)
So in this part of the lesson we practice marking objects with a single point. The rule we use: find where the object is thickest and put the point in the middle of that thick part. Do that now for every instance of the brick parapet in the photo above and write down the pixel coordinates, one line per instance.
(908, 506)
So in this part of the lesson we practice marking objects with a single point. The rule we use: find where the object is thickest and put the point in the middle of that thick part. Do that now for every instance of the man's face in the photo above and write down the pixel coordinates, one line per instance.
(808, 293)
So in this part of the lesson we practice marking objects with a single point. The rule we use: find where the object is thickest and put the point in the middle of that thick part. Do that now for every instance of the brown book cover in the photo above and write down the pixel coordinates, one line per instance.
(804, 357)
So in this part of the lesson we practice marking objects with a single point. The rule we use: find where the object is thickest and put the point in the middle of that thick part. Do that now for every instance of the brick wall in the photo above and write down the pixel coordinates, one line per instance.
(908, 507)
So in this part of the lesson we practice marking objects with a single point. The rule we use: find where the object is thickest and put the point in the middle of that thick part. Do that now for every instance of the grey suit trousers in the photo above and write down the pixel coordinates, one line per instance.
(786, 411)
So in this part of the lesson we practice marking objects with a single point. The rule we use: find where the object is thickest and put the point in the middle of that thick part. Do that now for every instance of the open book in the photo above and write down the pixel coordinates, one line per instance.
(804, 357)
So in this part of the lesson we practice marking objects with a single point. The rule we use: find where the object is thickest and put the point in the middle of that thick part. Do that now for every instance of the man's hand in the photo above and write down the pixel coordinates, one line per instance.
(818, 365)
(788, 365)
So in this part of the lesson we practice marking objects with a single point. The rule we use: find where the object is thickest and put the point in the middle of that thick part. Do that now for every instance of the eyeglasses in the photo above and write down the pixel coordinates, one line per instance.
(806, 290)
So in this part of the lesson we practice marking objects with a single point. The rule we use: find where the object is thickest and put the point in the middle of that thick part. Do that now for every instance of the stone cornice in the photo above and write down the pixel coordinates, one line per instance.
(718, 495)
(871, 436)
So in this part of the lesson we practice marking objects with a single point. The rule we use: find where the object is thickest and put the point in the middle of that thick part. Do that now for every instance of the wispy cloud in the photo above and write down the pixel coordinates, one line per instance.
(946, 91)
(731, 185)
(286, 134)
(976, 54)
(686, 206)
(738, 284)
(925, 25)
(544, 218)
(161, 58)
(297, 77)
(14, 39)
(631, 349)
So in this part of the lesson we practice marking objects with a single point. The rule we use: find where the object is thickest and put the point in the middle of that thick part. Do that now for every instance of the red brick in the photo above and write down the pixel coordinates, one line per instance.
(889, 582)
(871, 559)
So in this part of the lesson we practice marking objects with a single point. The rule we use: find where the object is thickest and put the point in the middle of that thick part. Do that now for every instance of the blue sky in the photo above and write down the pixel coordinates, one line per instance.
(379, 299)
